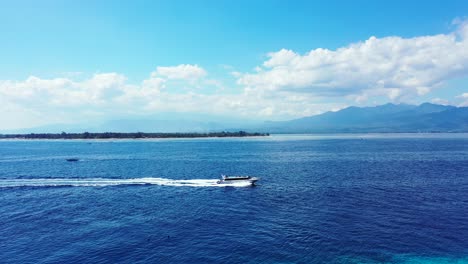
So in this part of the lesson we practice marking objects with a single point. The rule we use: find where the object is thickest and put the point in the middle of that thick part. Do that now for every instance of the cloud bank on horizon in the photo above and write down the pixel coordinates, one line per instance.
(286, 85)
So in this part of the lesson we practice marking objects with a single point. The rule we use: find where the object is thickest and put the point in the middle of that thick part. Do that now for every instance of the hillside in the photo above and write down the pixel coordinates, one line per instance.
(426, 117)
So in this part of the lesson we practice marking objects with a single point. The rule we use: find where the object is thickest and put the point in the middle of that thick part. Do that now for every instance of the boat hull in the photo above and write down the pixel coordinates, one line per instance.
(250, 181)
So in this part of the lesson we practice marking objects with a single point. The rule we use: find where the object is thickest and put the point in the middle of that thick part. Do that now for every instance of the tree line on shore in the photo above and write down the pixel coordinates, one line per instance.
(135, 135)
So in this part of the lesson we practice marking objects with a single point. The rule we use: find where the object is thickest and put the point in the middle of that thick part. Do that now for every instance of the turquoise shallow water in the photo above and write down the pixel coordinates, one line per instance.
(321, 199)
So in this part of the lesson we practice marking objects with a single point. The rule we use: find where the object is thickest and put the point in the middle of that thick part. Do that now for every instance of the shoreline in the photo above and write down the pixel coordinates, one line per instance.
(127, 136)
(268, 137)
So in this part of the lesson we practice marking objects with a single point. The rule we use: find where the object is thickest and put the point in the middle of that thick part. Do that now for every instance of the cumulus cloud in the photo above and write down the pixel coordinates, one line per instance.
(37, 101)
(180, 72)
(464, 99)
(99, 88)
(389, 66)
(286, 85)
(440, 101)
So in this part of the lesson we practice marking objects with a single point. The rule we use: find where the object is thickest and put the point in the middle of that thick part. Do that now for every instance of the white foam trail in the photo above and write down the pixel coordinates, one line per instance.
(100, 182)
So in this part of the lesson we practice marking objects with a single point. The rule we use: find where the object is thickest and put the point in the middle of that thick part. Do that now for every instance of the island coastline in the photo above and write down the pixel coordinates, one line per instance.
(136, 135)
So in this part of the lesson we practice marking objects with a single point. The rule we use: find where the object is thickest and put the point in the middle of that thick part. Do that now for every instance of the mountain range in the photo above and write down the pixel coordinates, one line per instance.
(395, 118)
(387, 118)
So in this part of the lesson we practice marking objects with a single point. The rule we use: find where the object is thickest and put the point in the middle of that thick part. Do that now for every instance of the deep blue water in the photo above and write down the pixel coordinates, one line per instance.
(338, 199)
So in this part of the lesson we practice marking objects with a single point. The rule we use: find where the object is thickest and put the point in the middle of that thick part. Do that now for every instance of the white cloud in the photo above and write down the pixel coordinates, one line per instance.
(390, 66)
(34, 91)
(287, 85)
(464, 99)
(236, 74)
(180, 72)
(440, 101)
(16, 116)
(108, 95)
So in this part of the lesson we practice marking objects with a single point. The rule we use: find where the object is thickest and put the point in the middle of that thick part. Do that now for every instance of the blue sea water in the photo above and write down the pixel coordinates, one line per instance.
(321, 199)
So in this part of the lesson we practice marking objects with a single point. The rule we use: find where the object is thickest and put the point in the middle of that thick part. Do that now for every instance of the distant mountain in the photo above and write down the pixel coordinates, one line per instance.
(169, 126)
(148, 125)
(426, 117)
(386, 118)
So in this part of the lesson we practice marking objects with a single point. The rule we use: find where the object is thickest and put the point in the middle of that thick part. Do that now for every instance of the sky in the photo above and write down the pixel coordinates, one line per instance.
(75, 61)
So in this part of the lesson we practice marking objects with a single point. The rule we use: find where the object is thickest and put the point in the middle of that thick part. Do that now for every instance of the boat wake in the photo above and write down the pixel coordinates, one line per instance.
(101, 182)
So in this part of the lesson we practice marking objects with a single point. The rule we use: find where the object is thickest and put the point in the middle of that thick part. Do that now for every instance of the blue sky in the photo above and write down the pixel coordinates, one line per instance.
(100, 58)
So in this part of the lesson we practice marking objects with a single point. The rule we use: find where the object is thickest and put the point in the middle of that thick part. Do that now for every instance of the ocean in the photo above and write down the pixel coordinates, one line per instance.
(377, 198)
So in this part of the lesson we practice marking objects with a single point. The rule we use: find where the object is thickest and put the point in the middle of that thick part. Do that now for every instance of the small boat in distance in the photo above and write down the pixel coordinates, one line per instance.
(72, 159)
(237, 180)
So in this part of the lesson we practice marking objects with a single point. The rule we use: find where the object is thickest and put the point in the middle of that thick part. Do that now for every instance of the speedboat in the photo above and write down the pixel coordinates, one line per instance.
(237, 180)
